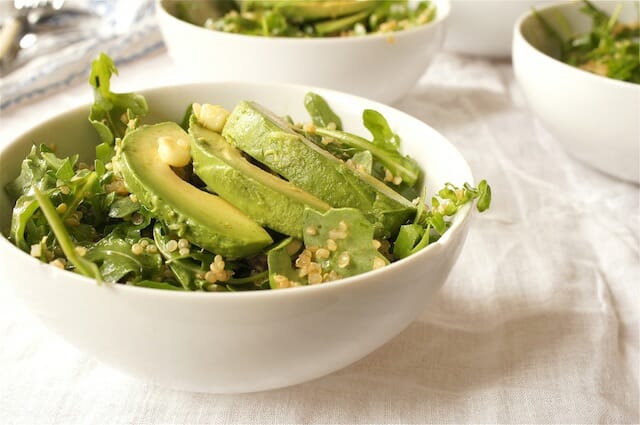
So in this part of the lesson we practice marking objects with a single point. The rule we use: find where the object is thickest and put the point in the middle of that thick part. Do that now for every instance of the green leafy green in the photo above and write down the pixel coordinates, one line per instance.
(380, 130)
(321, 113)
(279, 262)
(408, 237)
(34, 169)
(363, 161)
(112, 114)
(82, 265)
(122, 207)
(156, 285)
(23, 210)
(355, 250)
(611, 48)
(431, 223)
(388, 162)
(390, 158)
(314, 18)
(117, 260)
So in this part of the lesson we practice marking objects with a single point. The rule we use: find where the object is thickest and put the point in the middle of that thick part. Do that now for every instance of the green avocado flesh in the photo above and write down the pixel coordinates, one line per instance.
(266, 198)
(204, 219)
(306, 10)
(269, 140)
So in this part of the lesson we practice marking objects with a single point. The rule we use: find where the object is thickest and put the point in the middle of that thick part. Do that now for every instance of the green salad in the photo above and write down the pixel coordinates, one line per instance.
(610, 49)
(305, 18)
(227, 200)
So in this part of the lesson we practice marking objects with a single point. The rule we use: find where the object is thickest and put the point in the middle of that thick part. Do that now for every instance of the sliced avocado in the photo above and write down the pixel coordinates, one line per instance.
(204, 219)
(268, 139)
(334, 26)
(266, 198)
(310, 10)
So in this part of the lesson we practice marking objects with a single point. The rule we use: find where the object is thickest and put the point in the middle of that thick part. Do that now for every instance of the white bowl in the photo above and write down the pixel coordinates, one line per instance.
(379, 66)
(595, 118)
(242, 341)
(484, 27)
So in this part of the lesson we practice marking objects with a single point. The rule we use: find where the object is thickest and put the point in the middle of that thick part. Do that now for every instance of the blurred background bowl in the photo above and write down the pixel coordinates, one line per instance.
(595, 118)
(484, 27)
(382, 67)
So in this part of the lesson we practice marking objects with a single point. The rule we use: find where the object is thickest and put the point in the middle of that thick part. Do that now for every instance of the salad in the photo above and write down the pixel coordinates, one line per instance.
(227, 200)
(610, 49)
(306, 18)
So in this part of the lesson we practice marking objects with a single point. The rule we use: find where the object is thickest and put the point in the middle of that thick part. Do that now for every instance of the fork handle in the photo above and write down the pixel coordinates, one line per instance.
(12, 31)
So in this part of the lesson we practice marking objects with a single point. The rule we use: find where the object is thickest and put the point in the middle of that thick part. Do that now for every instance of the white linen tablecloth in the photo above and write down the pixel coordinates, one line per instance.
(538, 322)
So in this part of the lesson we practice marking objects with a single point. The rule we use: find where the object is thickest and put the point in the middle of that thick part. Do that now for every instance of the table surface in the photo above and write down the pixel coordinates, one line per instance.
(538, 322)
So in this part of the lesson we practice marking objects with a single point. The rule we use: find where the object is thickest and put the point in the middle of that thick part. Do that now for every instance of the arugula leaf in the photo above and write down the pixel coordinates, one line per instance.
(398, 164)
(33, 170)
(279, 262)
(65, 171)
(408, 237)
(384, 147)
(23, 210)
(104, 152)
(157, 285)
(430, 224)
(117, 260)
(610, 48)
(123, 206)
(82, 265)
(355, 250)
(379, 128)
(321, 113)
(111, 113)
(363, 160)
(184, 270)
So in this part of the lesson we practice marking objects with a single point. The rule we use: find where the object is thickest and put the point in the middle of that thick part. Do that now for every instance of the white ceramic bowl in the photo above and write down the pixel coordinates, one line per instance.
(484, 27)
(379, 66)
(243, 341)
(596, 119)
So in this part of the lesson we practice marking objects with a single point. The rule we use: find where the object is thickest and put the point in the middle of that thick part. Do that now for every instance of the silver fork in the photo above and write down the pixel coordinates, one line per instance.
(38, 27)
(26, 13)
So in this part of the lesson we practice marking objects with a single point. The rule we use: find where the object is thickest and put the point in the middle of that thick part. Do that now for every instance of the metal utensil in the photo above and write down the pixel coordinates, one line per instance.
(16, 26)
(31, 21)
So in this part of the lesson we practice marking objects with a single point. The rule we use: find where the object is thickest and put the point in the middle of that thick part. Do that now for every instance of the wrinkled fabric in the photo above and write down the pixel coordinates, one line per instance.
(537, 323)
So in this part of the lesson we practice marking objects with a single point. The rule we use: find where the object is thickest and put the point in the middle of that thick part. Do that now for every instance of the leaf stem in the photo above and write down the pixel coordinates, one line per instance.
(79, 195)
(83, 266)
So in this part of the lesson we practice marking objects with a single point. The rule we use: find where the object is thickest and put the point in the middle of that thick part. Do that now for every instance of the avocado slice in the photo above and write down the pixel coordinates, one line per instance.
(266, 198)
(269, 140)
(204, 219)
(310, 10)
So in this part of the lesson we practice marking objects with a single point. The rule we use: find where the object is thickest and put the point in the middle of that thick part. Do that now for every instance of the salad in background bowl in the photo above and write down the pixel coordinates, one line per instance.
(594, 116)
(306, 18)
(381, 61)
(218, 342)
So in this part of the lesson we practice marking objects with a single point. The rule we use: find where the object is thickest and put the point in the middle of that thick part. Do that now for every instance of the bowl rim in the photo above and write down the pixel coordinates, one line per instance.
(519, 36)
(443, 9)
(458, 223)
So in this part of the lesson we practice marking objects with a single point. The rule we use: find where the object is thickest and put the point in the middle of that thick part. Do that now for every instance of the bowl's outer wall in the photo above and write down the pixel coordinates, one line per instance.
(234, 342)
(376, 67)
(597, 119)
